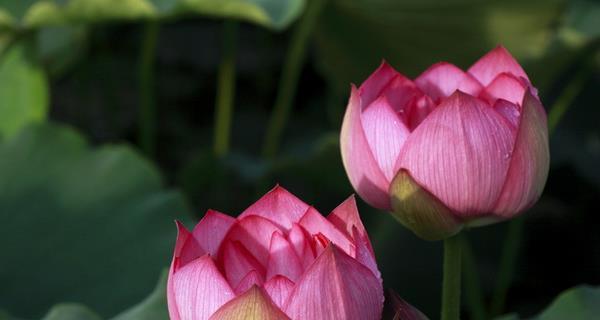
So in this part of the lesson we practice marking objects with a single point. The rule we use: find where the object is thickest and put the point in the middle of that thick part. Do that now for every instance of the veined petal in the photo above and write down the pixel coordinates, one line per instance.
(283, 259)
(336, 287)
(251, 279)
(255, 233)
(378, 81)
(364, 252)
(315, 223)
(345, 217)
(529, 163)
(505, 86)
(460, 154)
(360, 164)
(443, 78)
(385, 132)
(279, 206)
(255, 304)
(186, 247)
(494, 63)
(510, 111)
(211, 230)
(238, 262)
(279, 289)
(301, 243)
(200, 289)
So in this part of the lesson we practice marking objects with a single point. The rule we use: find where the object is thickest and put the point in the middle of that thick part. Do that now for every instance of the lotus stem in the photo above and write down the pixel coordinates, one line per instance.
(290, 74)
(225, 89)
(147, 107)
(451, 281)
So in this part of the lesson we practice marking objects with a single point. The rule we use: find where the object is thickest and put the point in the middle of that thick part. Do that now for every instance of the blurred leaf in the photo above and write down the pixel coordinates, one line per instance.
(583, 17)
(24, 90)
(355, 35)
(70, 311)
(93, 226)
(154, 307)
(276, 14)
(60, 47)
(582, 303)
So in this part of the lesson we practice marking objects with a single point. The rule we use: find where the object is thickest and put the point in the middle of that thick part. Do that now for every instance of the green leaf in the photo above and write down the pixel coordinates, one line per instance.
(582, 303)
(24, 89)
(71, 311)
(276, 14)
(88, 225)
(154, 307)
(355, 35)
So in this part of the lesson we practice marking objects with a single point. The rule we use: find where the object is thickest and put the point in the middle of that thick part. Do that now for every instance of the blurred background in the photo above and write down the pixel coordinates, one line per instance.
(117, 117)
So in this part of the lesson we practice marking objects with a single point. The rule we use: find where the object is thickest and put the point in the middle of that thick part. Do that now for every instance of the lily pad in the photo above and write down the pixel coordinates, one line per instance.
(276, 14)
(80, 224)
(24, 89)
(582, 302)
(154, 307)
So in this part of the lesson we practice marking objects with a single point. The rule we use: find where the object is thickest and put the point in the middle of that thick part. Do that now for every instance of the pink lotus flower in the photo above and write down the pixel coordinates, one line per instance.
(449, 148)
(280, 259)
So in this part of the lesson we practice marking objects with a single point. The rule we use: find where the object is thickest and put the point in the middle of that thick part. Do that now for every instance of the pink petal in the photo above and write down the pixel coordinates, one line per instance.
(320, 243)
(419, 110)
(314, 223)
(283, 259)
(506, 87)
(186, 250)
(254, 304)
(251, 279)
(494, 63)
(403, 310)
(529, 163)
(279, 206)
(401, 93)
(385, 132)
(299, 240)
(238, 262)
(345, 217)
(363, 170)
(442, 79)
(199, 289)
(186, 247)
(211, 230)
(510, 111)
(279, 289)
(255, 233)
(377, 82)
(364, 252)
(460, 154)
(336, 287)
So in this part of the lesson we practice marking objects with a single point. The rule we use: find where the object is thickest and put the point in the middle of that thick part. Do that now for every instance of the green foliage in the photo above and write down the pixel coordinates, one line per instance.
(70, 311)
(24, 89)
(77, 224)
(355, 35)
(154, 307)
(581, 303)
(276, 14)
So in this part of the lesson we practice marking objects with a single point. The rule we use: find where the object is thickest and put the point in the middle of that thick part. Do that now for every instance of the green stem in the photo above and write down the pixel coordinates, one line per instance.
(473, 295)
(451, 282)
(507, 264)
(515, 228)
(290, 74)
(147, 110)
(225, 89)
